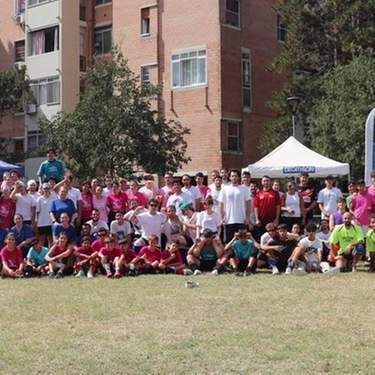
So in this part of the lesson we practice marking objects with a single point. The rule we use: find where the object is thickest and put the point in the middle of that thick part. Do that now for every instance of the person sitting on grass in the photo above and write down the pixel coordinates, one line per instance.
(36, 264)
(11, 258)
(347, 240)
(370, 243)
(278, 250)
(57, 257)
(239, 251)
(127, 259)
(86, 259)
(110, 256)
(149, 256)
(100, 242)
(171, 260)
(307, 256)
(23, 233)
(64, 226)
(204, 255)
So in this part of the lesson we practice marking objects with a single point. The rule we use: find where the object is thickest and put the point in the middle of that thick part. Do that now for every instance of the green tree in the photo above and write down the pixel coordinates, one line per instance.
(347, 95)
(321, 36)
(115, 128)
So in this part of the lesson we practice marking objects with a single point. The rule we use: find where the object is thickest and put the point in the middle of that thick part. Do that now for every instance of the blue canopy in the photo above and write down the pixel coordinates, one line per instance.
(6, 167)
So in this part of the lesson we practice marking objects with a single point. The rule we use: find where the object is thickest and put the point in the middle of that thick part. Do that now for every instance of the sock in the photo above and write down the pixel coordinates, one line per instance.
(271, 262)
(291, 264)
(193, 267)
(117, 269)
(107, 268)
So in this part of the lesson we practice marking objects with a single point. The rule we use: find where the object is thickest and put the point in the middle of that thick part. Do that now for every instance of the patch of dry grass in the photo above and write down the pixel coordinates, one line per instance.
(154, 325)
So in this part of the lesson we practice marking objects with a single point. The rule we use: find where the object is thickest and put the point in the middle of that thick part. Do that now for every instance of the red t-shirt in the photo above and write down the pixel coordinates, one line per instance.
(129, 256)
(7, 209)
(266, 202)
(13, 259)
(87, 206)
(117, 202)
(151, 256)
(88, 251)
(177, 258)
(111, 254)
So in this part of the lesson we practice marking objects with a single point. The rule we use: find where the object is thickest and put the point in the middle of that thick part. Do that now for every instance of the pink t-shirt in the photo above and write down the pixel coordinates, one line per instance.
(117, 202)
(7, 210)
(87, 206)
(177, 259)
(359, 205)
(101, 205)
(167, 192)
(204, 190)
(13, 259)
(141, 198)
(98, 244)
(151, 256)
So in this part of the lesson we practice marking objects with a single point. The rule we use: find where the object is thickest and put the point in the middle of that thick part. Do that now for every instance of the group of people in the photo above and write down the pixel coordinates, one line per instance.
(185, 227)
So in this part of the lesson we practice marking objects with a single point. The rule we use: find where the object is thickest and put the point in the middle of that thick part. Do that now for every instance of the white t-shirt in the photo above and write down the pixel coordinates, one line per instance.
(214, 194)
(208, 221)
(173, 228)
(323, 236)
(193, 221)
(151, 224)
(120, 231)
(138, 230)
(328, 198)
(24, 203)
(234, 199)
(42, 209)
(178, 200)
(194, 193)
(293, 202)
(75, 195)
(312, 249)
(97, 226)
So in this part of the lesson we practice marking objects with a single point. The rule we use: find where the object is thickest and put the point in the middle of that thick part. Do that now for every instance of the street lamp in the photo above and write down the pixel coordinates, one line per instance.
(293, 104)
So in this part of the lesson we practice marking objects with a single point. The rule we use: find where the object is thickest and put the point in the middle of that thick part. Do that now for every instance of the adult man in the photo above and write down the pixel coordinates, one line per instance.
(214, 192)
(327, 198)
(267, 206)
(95, 222)
(348, 238)
(178, 198)
(246, 178)
(50, 168)
(167, 189)
(234, 203)
(191, 190)
(308, 194)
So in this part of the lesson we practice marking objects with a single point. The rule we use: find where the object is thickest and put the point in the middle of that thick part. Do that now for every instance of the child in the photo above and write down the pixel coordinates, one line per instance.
(127, 258)
(85, 259)
(120, 228)
(11, 257)
(57, 257)
(370, 243)
(238, 252)
(149, 256)
(171, 260)
(36, 264)
(110, 257)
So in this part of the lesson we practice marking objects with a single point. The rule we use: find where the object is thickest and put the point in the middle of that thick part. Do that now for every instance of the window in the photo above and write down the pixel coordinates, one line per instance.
(35, 2)
(234, 136)
(18, 145)
(19, 48)
(20, 6)
(189, 68)
(246, 79)
(35, 140)
(145, 74)
(232, 13)
(44, 41)
(82, 49)
(145, 21)
(281, 30)
(103, 40)
(82, 10)
(46, 91)
(99, 2)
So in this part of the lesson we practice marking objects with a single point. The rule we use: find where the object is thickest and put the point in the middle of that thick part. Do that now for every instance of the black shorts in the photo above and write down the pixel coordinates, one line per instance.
(45, 231)
(207, 264)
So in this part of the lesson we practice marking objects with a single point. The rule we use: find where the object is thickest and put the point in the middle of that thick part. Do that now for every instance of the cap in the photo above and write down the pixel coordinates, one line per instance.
(185, 206)
(31, 182)
(21, 184)
(148, 176)
(329, 177)
(46, 185)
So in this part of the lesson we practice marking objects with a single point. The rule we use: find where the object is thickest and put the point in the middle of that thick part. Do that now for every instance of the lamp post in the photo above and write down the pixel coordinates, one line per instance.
(293, 104)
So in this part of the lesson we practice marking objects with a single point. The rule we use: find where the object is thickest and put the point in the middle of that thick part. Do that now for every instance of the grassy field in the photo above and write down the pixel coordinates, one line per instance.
(154, 325)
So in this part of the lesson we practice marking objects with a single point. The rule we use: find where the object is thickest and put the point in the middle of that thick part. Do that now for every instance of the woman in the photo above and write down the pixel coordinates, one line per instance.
(7, 209)
(87, 204)
(62, 204)
(292, 207)
(57, 257)
(116, 201)
(11, 258)
(208, 219)
(134, 193)
(149, 190)
(23, 234)
(99, 201)
(44, 221)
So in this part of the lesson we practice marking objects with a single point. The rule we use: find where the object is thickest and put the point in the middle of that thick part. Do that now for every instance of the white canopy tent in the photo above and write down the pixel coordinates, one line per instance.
(292, 158)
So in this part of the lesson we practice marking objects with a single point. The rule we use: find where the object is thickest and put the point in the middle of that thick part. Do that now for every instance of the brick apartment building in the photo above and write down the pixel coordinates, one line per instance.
(210, 56)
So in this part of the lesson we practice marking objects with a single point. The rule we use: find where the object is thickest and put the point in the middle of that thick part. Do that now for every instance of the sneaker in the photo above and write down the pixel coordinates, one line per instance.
(332, 271)
(132, 273)
(215, 272)
(288, 271)
(197, 272)
(188, 272)
(109, 274)
(236, 272)
(51, 275)
(171, 270)
(117, 275)
(299, 272)
(275, 270)
(59, 275)
(90, 275)
(80, 274)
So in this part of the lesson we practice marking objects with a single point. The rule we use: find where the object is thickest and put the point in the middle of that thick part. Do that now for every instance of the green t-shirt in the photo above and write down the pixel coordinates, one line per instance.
(370, 240)
(344, 236)
(243, 251)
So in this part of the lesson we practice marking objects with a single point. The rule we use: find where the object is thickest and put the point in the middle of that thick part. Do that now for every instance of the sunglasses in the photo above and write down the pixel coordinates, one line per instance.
(101, 235)
(153, 205)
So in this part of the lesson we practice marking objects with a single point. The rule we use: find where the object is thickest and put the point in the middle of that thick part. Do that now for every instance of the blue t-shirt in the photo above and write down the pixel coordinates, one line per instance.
(23, 234)
(70, 231)
(243, 251)
(49, 169)
(208, 254)
(37, 258)
(59, 206)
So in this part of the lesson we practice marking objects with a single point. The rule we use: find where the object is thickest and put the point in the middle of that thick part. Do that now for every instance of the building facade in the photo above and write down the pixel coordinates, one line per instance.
(210, 56)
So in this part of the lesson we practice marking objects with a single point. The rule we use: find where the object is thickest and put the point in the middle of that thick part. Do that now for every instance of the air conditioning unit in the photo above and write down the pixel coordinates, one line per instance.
(18, 65)
(30, 109)
(19, 19)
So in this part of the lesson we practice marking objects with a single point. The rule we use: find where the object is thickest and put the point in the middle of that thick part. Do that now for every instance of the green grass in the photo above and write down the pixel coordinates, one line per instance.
(154, 325)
